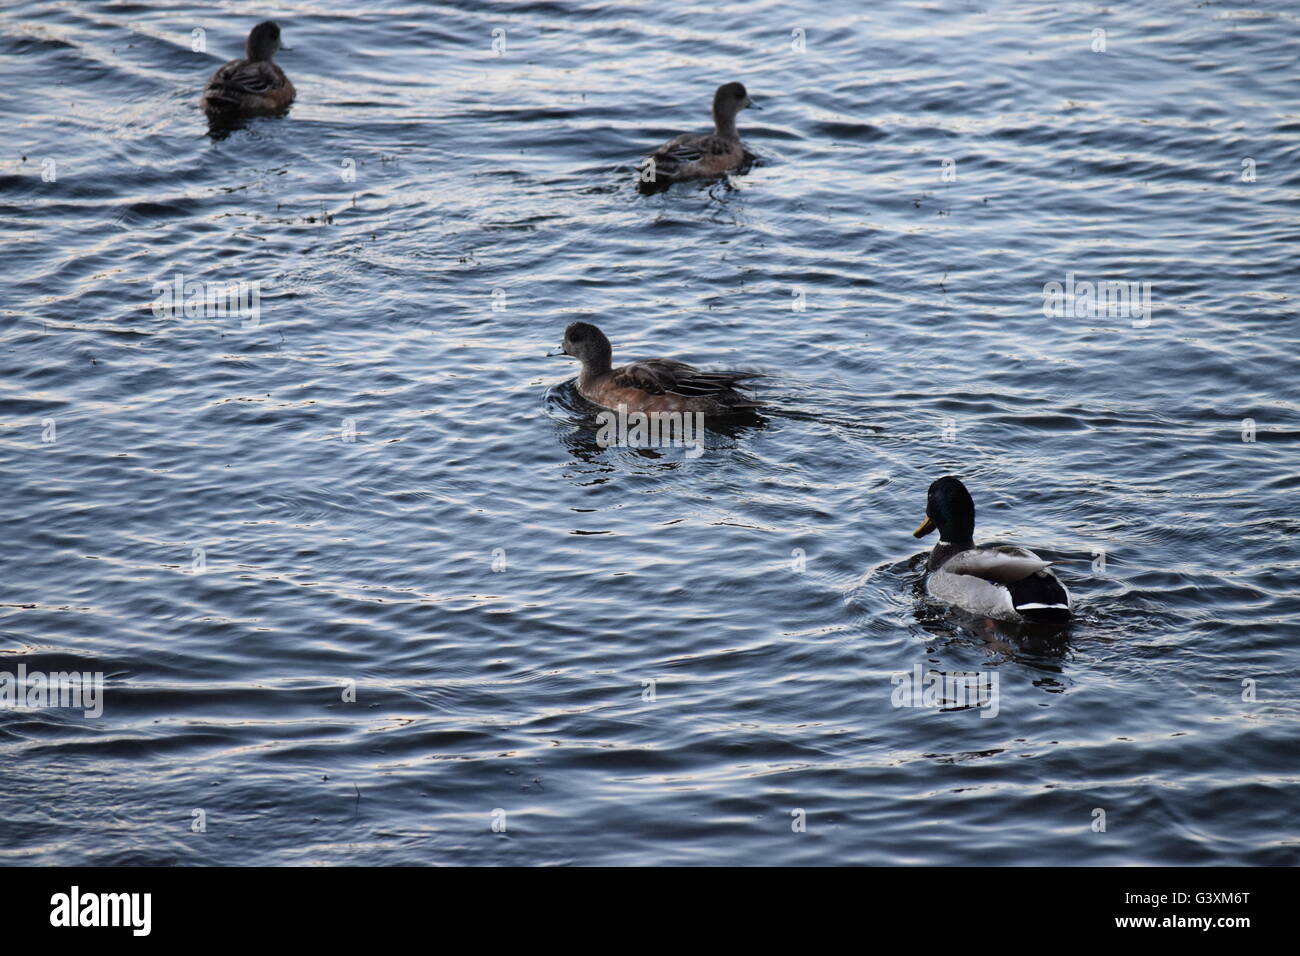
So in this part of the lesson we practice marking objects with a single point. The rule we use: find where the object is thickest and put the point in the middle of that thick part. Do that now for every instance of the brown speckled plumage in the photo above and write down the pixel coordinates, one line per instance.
(253, 86)
(651, 385)
(702, 155)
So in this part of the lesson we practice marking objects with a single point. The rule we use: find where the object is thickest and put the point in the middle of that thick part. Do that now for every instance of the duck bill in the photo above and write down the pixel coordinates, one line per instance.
(750, 104)
(924, 528)
(558, 353)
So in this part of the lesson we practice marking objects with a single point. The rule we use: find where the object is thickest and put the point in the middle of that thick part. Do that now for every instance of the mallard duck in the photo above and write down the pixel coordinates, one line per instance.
(651, 385)
(253, 86)
(701, 155)
(1006, 583)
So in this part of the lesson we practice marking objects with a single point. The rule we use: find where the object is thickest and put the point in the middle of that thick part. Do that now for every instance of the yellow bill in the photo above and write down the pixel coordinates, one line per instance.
(925, 528)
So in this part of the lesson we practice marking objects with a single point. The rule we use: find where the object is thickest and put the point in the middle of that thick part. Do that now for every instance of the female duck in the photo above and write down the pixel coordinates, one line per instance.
(253, 86)
(1006, 583)
(651, 385)
(701, 155)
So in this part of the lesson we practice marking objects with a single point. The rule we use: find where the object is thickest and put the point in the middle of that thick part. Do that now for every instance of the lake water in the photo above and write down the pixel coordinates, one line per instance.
(565, 653)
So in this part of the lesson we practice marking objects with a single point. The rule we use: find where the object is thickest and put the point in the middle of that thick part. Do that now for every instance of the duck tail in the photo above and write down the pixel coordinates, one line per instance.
(1055, 616)
(657, 172)
(1041, 598)
(218, 100)
(653, 186)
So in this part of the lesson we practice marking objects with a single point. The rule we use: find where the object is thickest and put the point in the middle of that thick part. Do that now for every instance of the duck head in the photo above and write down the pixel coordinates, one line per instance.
(588, 345)
(950, 508)
(264, 41)
(729, 100)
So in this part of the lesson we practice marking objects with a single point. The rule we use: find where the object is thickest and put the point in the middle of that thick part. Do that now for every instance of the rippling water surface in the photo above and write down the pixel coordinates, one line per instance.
(187, 510)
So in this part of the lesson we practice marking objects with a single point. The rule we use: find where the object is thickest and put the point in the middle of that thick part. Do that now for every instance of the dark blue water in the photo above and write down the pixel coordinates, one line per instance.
(384, 481)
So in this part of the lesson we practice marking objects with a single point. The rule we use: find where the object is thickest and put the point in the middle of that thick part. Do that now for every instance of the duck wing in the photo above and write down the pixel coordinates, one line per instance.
(998, 567)
(666, 376)
(691, 149)
(240, 78)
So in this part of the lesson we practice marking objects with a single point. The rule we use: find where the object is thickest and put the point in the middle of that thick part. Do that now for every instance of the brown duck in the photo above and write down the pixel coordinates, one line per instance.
(253, 86)
(701, 155)
(651, 385)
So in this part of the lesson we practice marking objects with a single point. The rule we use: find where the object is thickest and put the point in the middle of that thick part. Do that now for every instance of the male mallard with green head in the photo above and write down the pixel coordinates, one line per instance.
(1006, 583)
